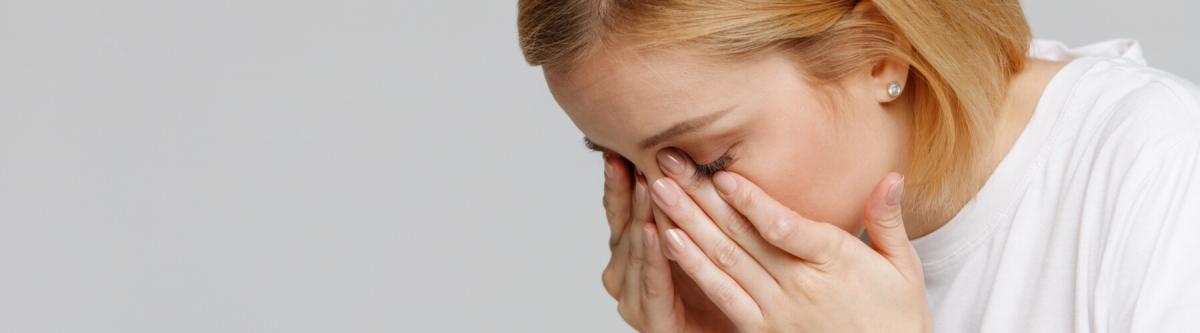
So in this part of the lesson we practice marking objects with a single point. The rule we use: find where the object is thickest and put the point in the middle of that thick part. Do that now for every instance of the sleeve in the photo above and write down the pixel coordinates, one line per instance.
(1157, 285)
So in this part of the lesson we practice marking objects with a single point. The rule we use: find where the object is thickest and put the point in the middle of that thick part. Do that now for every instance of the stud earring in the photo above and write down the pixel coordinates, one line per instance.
(894, 89)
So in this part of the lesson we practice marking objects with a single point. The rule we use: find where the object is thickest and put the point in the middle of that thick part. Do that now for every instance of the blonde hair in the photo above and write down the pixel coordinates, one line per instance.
(961, 54)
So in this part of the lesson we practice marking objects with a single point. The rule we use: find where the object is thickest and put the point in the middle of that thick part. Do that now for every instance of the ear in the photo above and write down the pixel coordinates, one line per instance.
(887, 69)
(885, 73)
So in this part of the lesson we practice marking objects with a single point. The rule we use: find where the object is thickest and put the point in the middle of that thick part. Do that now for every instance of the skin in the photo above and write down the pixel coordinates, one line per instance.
(653, 294)
(779, 129)
(811, 168)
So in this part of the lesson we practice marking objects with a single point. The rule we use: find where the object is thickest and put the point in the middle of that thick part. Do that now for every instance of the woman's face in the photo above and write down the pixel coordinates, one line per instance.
(819, 154)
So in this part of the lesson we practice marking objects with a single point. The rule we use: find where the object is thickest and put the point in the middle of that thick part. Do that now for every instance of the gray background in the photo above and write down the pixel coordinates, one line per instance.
(332, 166)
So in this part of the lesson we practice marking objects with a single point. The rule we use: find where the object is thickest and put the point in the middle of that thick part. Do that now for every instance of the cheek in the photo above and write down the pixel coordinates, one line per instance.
(816, 167)
(802, 178)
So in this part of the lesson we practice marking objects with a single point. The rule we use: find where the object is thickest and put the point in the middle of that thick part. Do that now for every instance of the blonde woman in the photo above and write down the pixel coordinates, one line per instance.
(748, 143)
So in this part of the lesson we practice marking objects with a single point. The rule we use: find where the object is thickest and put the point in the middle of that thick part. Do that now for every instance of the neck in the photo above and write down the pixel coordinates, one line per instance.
(1023, 93)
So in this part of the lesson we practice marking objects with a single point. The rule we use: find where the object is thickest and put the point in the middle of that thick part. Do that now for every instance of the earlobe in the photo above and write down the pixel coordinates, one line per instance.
(894, 89)
(890, 76)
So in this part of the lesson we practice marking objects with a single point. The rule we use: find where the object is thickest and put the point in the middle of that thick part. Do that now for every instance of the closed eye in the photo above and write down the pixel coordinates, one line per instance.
(711, 168)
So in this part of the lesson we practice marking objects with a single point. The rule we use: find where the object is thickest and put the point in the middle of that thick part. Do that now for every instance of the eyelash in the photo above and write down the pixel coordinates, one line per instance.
(707, 169)
(711, 168)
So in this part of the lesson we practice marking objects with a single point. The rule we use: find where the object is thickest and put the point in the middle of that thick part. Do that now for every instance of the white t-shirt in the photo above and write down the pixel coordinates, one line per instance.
(1091, 223)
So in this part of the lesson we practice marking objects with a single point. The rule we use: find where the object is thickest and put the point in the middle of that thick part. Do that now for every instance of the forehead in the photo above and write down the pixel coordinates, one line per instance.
(617, 96)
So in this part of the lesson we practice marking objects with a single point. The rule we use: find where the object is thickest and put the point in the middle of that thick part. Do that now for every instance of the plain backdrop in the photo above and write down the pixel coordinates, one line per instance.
(323, 166)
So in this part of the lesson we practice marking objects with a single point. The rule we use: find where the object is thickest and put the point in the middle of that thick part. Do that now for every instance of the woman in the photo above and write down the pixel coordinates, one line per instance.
(747, 143)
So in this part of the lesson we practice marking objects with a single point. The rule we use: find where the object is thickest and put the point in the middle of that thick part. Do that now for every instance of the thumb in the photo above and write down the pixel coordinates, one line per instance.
(885, 224)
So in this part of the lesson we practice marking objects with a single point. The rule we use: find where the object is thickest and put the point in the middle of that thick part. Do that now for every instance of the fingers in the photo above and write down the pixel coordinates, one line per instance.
(631, 290)
(725, 254)
(663, 223)
(885, 225)
(812, 241)
(721, 289)
(641, 214)
(613, 276)
(618, 196)
(638, 275)
(659, 303)
(683, 170)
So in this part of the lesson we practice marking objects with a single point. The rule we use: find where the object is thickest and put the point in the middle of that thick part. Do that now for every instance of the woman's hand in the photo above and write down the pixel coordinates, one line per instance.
(770, 269)
(638, 275)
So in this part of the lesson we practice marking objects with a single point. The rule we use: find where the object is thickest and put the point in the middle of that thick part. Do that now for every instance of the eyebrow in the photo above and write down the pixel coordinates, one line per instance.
(680, 128)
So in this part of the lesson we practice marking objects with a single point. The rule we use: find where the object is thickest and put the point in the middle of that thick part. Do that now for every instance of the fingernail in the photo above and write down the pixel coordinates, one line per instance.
(671, 162)
(725, 183)
(608, 169)
(675, 241)
(894, 193)
(664, 194)
(639, 189)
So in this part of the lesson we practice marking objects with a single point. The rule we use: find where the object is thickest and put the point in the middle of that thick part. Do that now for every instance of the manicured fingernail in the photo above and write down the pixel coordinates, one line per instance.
(608, 169)
(894, 193)
(664, 194)
(639, 189)
(671, 162)
(675, 241)
(725, 183)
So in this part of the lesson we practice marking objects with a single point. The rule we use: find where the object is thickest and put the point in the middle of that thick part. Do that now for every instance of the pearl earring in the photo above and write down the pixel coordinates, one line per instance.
(894, 89)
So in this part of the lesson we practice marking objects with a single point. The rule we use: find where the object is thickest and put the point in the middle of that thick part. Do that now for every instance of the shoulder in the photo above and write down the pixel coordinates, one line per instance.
(1139, 136)
(1136, 124)
(1123, 90)
(1126, 151)
(1128, 114)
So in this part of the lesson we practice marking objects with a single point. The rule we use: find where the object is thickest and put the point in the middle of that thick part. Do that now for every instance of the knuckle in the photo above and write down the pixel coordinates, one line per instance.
(616, 240)
(650, 288)
(804, 286)
(698, 215)
(630, 313)
(612, 215)
(624, 309)
(796, 280)
(641, 214)
(723, 294)
(834, 246)
(780, 230)
(727, 255)
(636, 258)
(736, 225)
(741, 197)
(611, 282)
(614, 182)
